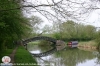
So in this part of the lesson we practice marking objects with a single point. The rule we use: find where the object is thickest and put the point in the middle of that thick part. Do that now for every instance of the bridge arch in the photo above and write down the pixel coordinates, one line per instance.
(58, 45)
(42, 38)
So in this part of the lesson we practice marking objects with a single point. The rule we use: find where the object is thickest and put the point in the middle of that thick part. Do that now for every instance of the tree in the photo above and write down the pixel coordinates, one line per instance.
(65, 30)
(11, 12)
(57, 9)
(35, 22)
(90, 31)
(71, 30)
(13, 25)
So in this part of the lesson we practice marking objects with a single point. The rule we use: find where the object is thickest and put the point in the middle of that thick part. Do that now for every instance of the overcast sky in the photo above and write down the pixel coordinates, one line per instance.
(92, 19)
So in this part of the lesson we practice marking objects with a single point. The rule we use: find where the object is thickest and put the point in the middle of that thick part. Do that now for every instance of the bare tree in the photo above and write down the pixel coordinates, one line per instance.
(35, 22)
(59, 9)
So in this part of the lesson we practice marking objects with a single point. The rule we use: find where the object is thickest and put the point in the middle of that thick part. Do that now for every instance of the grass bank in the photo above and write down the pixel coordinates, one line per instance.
(88, 44)
(24, 57)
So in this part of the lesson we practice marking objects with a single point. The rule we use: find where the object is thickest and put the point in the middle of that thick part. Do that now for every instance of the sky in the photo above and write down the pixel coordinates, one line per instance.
(92, 19)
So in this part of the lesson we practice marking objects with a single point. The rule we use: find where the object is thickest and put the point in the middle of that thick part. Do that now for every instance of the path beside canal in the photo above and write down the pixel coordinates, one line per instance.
(13, 54)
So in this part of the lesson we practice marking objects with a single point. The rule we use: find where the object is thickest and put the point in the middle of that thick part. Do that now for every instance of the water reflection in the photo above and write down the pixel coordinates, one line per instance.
(40, 46)
(98, 58)
(71, 57)
(68, 57)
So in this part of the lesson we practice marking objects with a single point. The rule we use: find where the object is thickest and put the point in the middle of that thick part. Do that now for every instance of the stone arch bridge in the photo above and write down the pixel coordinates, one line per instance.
(58, 45)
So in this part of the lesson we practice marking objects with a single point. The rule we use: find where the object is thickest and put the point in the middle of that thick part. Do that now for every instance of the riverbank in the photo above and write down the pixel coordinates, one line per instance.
(90, 45)
(24, 57)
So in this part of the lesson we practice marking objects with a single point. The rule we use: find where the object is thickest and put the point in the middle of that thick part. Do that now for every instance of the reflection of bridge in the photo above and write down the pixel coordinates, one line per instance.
(45, 53)
(58, 45)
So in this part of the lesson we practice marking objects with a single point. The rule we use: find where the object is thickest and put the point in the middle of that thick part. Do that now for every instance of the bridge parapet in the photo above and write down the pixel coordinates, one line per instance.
(40, 38)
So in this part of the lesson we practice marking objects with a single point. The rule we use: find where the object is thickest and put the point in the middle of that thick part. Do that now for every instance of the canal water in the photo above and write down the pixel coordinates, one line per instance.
(66, 57)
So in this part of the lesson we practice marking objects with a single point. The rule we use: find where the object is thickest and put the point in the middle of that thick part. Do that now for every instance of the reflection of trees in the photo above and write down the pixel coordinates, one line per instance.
(42, 45)
(98, 58)
(71, 57)
(45, 45)
(33, 45)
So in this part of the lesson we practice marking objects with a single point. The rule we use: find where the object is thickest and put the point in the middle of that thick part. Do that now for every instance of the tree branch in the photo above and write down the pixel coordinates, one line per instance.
(25, 6)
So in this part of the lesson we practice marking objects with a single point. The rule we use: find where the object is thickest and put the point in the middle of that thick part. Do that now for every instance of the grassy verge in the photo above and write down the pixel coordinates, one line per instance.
(23, 56)
(88, 44)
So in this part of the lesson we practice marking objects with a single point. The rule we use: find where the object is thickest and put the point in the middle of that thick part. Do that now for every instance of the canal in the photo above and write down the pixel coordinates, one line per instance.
(66, 57)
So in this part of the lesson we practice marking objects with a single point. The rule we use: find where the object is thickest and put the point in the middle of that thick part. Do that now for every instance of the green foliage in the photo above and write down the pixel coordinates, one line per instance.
(98, 42)
(13, 25)
(73, 31)
(97, 39)
(57, 35)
